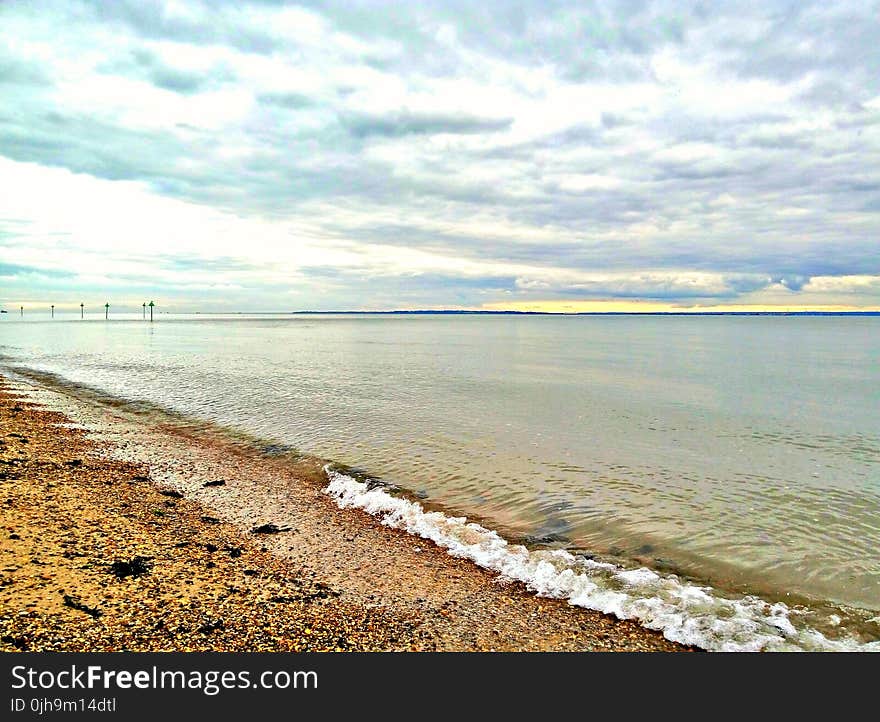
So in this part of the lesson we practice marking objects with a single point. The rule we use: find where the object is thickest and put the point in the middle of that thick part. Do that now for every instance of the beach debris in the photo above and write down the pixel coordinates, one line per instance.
(269, 529)
(212, 625)
(323, 592)
(276, 449)
(666, 565)
(234, 552)
(134, 567)
(217, 482)
(75, 603)
(73, 462)
(546, 539)
(211, 548)
(140, 477)
(19, 643)
(210, 519)
(173, 493)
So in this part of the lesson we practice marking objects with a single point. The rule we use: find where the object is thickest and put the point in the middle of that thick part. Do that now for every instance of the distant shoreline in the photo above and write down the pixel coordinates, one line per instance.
(30, 312)
(574, 313)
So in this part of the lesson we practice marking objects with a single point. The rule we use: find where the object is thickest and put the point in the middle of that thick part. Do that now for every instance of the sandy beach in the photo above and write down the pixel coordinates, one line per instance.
(123, 535)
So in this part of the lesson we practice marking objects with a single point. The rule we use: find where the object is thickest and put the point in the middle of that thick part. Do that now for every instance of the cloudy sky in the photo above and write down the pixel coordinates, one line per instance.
(518, 154)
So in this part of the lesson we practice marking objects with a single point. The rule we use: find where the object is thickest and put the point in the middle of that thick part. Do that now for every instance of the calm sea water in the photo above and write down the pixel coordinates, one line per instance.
(743, 452)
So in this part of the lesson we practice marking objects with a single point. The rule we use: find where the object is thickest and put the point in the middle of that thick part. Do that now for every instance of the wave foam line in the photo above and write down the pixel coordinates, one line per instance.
(683, 612)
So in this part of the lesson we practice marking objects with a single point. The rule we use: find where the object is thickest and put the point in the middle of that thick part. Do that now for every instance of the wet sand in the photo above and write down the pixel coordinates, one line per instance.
(119, 535)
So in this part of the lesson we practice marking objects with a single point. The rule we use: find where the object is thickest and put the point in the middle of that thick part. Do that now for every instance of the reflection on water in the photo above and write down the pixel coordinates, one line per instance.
(741, 450)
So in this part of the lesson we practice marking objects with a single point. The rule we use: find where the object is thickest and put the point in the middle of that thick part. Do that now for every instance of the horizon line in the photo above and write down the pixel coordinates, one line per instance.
(512, 312)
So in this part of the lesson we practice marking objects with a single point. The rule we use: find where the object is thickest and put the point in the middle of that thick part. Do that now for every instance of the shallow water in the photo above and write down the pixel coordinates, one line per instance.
(742, 452)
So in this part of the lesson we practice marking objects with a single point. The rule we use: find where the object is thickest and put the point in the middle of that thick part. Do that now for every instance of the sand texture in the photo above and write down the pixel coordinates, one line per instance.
(119, 534)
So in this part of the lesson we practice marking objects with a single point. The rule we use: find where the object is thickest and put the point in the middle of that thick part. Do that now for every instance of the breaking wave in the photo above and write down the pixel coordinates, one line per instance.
(684, 612)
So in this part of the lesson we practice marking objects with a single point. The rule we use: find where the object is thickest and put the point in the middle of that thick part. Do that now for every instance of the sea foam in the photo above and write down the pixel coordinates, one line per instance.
(682, 611)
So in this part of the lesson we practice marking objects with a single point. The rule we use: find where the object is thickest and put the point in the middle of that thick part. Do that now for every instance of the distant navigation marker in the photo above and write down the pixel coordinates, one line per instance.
(81, 311)
(151, 304)
(53, 310)
(21, 308)
(145, 310)
(106, 311)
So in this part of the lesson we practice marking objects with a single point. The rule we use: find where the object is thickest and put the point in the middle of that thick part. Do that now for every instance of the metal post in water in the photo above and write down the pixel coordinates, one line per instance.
(151, 304)
(53, 310)
(81, 311)
(145, 310)
(106, 311)
(21, 308)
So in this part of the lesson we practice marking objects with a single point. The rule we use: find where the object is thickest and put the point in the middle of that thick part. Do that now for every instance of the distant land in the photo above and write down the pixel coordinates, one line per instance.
(592, 313)
(454, 312)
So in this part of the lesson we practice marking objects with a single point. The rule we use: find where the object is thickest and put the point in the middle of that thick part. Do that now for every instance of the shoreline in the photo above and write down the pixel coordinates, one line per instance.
(86, 487)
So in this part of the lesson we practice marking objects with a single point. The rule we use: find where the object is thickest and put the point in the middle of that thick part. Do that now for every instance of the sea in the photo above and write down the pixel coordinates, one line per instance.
(716, 477)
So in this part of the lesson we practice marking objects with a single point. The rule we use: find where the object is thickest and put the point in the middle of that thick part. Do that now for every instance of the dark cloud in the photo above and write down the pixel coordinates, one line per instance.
(792, 283)
(86, 145)
(12, 270)
(146, 64)
(215, 264)
(685, 171)
(405, 123)
(418, 281)
(18, 72)
(177, 80)
(202, 23)
(832, 47)
(396, 290)
(291, 101)
(859, 185)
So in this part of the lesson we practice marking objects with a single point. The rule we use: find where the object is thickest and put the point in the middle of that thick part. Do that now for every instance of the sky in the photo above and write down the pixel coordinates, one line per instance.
(541, 155)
